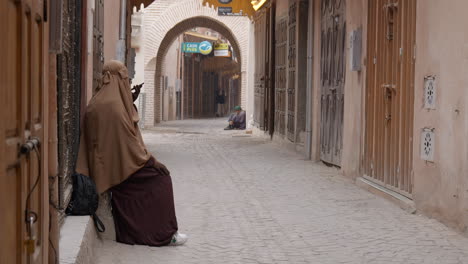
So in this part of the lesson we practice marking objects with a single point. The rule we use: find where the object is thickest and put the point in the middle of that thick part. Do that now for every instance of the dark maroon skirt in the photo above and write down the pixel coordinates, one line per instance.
(143, 208)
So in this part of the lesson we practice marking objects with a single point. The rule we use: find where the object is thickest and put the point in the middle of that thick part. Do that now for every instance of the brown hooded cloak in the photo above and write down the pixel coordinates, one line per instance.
(111, 146)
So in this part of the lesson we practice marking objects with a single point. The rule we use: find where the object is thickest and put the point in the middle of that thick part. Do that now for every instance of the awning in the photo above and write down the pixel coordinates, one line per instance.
(198, 35)
(220, 64)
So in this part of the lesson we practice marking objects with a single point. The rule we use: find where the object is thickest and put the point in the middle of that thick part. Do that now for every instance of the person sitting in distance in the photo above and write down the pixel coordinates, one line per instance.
(237, 119)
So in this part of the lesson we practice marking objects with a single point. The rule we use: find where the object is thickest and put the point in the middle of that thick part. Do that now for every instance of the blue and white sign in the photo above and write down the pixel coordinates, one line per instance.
(205, 47)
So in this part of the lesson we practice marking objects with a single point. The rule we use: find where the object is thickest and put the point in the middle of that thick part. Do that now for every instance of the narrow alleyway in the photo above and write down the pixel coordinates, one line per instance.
(243, 199)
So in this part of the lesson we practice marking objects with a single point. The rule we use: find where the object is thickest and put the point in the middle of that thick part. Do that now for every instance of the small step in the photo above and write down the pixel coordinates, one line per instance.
(402, 201)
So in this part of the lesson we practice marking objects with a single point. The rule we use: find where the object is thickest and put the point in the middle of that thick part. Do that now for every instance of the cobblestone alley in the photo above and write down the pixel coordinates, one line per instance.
(243, 199)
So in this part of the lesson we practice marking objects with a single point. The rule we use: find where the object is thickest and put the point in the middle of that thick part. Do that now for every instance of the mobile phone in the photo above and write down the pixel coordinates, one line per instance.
(141, 84)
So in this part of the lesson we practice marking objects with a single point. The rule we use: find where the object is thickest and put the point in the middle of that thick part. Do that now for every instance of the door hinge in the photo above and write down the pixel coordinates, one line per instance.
(414, 52)
(375, 60)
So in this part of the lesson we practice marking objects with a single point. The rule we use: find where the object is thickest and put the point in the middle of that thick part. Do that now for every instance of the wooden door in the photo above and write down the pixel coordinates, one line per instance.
(270, 69)
(188, 89)
(186, 84)
(292, 62)
(164, 107)
(332, 67)
(264, 114)
(98, 41)
(281, 38)
(23, 183)
(390, 94)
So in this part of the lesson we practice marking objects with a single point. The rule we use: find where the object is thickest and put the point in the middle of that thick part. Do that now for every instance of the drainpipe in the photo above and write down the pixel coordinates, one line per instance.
(122, 32)
(309, 98)
(123, 19)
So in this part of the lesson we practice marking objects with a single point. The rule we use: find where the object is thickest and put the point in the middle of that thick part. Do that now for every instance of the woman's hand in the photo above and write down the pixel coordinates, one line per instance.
(137, 89)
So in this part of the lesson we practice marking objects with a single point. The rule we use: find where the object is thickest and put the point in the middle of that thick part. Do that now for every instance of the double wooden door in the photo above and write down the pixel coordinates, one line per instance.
(281, 41)
(23, 181)
(263, 93)
(333, 38)
(292, 63)
(390, 94)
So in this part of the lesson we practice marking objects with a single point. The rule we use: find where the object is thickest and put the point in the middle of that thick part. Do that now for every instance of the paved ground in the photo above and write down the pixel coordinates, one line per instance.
(247, 200)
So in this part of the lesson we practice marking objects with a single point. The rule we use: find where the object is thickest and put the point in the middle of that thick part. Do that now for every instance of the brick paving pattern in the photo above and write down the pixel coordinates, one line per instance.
(246, 200)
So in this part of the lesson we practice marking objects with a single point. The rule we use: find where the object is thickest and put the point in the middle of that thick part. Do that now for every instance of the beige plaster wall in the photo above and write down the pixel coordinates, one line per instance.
(440, 188)
(170, 70)
(354, 90)
(89, 50)
(111, 28)
(137, 43)
(282, 8)
(315, 141)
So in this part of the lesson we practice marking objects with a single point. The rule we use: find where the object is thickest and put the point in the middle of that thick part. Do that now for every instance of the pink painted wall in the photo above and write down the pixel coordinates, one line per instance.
(441, 187)
(111, 28)
(355, 85)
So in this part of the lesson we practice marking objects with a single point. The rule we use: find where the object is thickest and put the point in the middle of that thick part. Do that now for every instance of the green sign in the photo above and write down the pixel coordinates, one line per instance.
(190, 47)
(203, 47)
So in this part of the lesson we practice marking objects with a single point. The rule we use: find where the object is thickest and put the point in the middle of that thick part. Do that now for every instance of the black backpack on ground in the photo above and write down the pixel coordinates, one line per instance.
(85, 200)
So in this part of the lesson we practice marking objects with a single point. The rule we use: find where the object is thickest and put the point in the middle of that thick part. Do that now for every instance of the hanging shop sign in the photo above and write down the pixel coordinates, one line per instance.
(204, 47)
(190, 47)
(222, 50)
(221, 46)
(222, 53)
(227, 11)
(236, 7)
(256, 4)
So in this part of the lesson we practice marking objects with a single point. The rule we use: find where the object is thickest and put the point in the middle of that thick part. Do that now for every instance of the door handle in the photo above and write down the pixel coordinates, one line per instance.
(31, 144)
(390, 89)
(388, 118)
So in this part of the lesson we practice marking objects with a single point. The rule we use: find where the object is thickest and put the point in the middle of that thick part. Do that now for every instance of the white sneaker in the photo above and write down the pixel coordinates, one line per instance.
(178, 239)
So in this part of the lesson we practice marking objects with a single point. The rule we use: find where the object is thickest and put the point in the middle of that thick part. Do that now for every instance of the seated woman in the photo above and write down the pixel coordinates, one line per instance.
(113, 153)
(237, 119)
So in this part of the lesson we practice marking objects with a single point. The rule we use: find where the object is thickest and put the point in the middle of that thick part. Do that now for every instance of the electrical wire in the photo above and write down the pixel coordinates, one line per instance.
(28, 212)
(55, 250)
(35, 184)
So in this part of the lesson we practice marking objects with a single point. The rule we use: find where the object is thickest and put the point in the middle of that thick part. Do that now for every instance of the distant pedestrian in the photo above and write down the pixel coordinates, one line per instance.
(113, 153)
(220, 100)
(237, 119)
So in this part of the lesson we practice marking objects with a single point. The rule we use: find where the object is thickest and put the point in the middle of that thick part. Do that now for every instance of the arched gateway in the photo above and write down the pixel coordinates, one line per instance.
(167, 19)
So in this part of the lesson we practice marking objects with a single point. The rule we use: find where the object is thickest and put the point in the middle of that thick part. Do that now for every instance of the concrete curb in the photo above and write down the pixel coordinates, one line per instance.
(78, 240)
